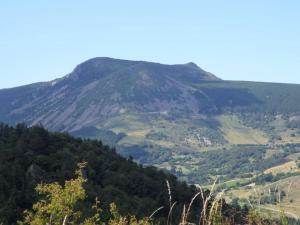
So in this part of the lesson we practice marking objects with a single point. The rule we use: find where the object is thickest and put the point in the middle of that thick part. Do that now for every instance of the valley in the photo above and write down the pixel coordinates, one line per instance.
(178, 118)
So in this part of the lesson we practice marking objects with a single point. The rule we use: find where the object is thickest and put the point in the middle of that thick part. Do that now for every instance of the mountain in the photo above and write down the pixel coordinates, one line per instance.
(103, 87)
(176, 117)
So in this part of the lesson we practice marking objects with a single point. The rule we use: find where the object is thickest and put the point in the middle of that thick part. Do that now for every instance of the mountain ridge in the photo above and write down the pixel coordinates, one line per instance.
(109, 74)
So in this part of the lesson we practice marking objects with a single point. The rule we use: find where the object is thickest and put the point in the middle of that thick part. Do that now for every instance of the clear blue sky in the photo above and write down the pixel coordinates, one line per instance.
(237, 40)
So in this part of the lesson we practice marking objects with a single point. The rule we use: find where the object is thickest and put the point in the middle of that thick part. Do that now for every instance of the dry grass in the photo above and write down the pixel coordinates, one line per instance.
(284, 168)
(211, 213)
(237, 133)
(138, 133)
(289, 204)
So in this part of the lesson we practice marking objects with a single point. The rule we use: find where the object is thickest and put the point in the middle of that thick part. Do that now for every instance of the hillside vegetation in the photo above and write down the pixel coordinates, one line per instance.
(30, 156)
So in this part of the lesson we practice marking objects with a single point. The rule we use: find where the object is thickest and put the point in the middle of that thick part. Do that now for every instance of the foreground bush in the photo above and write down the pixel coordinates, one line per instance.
(60, 205)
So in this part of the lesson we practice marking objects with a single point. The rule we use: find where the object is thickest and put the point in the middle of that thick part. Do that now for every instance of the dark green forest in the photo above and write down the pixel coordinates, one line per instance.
(29, 156)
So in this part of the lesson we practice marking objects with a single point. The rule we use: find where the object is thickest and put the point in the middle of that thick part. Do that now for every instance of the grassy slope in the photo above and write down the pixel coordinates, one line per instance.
(291, 186)
(237, 133)
(275, 97)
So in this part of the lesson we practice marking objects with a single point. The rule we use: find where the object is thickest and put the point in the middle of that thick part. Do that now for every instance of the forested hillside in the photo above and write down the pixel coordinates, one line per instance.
(29, 156)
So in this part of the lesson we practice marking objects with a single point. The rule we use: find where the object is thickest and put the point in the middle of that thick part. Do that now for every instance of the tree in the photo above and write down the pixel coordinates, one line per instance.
(60, 206)
(59, 203)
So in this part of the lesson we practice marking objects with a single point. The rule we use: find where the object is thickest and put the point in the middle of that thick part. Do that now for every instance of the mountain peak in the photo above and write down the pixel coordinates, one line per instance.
(192, 64)
(100, 67)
